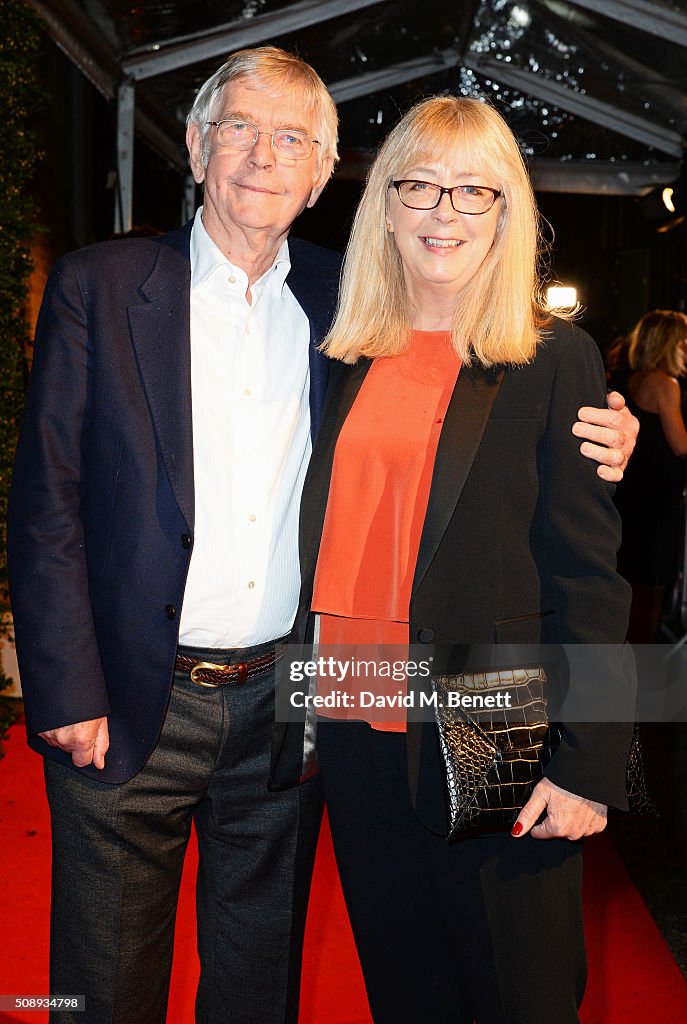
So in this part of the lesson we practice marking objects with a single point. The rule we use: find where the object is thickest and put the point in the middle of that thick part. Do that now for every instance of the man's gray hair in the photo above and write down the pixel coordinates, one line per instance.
(268, 67)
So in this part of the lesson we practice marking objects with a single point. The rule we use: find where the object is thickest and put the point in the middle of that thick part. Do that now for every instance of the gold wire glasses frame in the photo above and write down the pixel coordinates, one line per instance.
(242, 135)
(425, 195)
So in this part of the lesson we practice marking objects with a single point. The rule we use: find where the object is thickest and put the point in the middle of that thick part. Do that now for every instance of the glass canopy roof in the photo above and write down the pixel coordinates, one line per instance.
(582, 82)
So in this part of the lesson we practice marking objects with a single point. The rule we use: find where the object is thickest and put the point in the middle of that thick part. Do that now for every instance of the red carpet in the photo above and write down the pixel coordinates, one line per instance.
(633, 979)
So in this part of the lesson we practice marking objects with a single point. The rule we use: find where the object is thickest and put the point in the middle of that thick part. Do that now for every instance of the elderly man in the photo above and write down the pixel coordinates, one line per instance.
(175, 391)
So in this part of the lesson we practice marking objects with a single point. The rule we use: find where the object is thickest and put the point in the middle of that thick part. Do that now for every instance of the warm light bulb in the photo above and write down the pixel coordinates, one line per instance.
(558, 297)
(667, 197)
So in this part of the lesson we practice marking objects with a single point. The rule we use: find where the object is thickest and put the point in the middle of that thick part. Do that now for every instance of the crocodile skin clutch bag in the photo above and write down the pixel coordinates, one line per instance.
(495, 743)
(492, 756)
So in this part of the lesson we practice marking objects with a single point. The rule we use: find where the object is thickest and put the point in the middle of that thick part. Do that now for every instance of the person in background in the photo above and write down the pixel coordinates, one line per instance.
(446, 503)
(650, 498)
(617, 364)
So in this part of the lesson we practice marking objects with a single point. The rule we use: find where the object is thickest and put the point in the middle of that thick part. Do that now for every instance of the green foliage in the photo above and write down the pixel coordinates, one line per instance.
(20, 92)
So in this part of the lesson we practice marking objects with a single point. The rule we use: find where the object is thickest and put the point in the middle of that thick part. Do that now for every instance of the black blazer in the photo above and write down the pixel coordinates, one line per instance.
(520, 537)
(102, 505)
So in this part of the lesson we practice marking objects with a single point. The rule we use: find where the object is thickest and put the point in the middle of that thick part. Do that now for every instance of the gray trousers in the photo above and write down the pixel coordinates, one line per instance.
(118, 853)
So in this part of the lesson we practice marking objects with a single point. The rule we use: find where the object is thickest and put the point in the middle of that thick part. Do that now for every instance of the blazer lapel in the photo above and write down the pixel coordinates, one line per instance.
(344, 387)
(317, 298)
(161, 335)
(466, 419)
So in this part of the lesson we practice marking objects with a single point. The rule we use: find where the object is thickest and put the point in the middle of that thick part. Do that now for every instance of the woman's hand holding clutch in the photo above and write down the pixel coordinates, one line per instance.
(567, 816)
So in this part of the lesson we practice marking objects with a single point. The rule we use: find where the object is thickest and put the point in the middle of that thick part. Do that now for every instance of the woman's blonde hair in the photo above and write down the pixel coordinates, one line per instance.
(656, 341)
(500, 313)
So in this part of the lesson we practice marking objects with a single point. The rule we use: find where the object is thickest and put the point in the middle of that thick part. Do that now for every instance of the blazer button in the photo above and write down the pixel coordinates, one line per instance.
(186, 541)
(170, 611)
(425, 636)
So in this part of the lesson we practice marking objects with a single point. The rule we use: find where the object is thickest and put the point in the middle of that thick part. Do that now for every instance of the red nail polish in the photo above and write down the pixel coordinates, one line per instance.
(517, 829)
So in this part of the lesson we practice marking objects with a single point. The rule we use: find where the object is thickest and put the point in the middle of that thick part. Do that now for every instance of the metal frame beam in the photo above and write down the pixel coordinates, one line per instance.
(188, 202)
(374, 81)
(600, 177)
(124, 185)
(581, 104)
(591, 177)
(644, 80)
(469, 10)
(642, 15)
(664, 93)
(145, 62)
(71, 29)
(85, 46)
(161, 131)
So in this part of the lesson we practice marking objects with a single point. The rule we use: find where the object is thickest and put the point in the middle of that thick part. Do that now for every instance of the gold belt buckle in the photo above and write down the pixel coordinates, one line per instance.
(242, 668)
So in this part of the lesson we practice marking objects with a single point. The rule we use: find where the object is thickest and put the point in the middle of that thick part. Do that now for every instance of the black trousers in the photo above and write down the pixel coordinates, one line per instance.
(488, 929)
(118, 854)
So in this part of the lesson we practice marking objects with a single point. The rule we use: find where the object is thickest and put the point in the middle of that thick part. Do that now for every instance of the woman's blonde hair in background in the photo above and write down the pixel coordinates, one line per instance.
(500, 313)
(656, 341)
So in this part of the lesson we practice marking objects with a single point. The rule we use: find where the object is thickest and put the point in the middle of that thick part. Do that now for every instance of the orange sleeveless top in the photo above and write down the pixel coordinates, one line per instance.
(380, 484)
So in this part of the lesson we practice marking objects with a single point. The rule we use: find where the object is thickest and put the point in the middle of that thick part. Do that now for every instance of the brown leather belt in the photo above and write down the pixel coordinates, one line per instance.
(205, 673)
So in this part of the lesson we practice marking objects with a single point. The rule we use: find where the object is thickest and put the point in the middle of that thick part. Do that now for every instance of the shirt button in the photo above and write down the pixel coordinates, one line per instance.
(232, 279)
(252, 518)
(186, 541)
(425, 635)
(170, 611)
(247, 392)
(251, 585)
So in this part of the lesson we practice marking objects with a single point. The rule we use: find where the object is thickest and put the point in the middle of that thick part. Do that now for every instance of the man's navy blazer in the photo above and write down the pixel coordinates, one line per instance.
(102, 508)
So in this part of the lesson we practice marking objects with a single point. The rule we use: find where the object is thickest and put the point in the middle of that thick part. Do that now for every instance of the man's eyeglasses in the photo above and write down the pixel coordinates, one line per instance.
(425, 195)
(288, 142)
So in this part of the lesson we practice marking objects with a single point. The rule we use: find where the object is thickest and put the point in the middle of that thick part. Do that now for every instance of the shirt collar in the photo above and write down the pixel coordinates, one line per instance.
(206, 258)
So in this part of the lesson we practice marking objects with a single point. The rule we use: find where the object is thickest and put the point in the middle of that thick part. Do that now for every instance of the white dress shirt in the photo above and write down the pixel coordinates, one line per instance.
(250, 387)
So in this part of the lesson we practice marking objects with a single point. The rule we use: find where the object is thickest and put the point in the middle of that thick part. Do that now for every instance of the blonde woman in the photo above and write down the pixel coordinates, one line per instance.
(650, 498)
(447, 503)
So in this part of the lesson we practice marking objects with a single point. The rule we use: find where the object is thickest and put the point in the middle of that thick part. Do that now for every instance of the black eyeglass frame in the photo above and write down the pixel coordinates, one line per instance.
(496, 193)
(258, 133)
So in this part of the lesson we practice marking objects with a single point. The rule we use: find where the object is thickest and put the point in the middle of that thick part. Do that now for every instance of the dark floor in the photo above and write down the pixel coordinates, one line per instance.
(654, 849)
